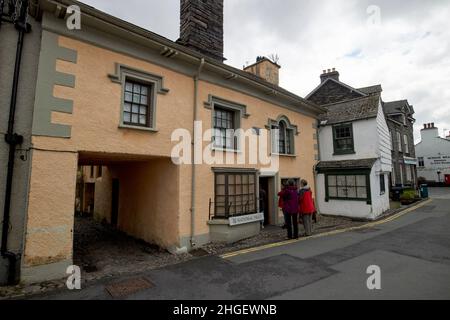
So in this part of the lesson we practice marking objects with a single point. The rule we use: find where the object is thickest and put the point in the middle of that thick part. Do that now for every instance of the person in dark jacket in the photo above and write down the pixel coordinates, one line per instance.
(289, 196)
(306, 207)
(281, 206)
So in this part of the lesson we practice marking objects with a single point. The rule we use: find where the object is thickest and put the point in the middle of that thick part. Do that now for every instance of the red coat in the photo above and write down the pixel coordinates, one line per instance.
(306, 203)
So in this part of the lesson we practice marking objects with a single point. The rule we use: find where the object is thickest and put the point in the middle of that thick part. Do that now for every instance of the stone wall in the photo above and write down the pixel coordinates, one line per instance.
(201, 26)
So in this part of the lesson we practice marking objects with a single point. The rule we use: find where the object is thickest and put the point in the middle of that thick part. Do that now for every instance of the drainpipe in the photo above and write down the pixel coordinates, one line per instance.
(13, 139)
(314, 168)
(194, 173)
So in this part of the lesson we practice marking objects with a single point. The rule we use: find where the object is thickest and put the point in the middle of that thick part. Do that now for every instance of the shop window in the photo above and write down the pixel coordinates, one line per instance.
(348, 187)
(235, 194)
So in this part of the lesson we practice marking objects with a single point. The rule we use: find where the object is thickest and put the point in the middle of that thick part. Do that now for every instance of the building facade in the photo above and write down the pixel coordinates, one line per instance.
(117, 97)
(17, 91)
(400, 117)
(433, 155)
(355, 150)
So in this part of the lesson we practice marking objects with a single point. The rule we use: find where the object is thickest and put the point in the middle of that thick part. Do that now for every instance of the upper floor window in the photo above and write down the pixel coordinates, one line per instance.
(343, 139)
(421, 162)
(405, 138)
(399, 142)
(226, 121)
(224, 128)
(140, 90)
(283, 138)
(137, 108)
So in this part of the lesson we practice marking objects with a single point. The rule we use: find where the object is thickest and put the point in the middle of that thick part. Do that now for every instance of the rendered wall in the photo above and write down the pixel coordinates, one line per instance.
(49, 230)
(94, 122)
(23, 120)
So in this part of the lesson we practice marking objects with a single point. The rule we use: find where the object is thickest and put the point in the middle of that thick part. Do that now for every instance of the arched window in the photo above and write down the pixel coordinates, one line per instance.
(283, 138)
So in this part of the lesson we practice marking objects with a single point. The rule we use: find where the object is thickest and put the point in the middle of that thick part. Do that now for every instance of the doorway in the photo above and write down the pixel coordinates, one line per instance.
(267, 198)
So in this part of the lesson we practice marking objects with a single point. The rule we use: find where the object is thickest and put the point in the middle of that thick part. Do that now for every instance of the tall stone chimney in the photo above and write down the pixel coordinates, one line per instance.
(201, 26)
(330, 73)
(265, 69)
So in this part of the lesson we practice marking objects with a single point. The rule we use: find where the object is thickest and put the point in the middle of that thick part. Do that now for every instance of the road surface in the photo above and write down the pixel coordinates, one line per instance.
(412, 252)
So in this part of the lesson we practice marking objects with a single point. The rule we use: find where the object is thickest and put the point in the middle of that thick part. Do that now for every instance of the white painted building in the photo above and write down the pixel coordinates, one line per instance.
(355, 150)
(433, 155)
(354, 182)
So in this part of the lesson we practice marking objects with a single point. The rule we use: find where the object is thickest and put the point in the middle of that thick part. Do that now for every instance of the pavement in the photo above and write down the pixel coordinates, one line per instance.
(412, 251)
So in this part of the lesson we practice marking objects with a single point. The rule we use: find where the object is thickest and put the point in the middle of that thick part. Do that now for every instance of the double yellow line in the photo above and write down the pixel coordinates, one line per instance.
(326, 234)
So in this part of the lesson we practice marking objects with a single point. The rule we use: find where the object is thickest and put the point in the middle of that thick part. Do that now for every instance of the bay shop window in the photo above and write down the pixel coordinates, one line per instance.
(353, 186)
(235, 193)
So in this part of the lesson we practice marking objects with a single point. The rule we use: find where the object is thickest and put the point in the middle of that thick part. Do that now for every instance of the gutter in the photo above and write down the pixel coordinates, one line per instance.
(193, 165)
(13, 140)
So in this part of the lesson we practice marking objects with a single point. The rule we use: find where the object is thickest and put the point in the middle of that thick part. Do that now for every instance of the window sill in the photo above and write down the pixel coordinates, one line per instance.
(284, 155)
(125, 126)
(343, 153)
(226, 150)
(349, 199)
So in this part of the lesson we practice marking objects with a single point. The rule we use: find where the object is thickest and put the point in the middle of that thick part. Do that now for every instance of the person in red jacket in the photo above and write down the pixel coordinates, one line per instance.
(306, 207)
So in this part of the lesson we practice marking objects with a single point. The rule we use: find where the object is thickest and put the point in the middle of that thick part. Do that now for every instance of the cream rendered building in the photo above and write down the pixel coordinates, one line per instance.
(112, 95)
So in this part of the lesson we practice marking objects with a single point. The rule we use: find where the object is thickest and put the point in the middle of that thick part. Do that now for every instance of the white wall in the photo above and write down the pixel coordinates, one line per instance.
(371, 140)
(436, 153)
(356, 209)
(365, 141)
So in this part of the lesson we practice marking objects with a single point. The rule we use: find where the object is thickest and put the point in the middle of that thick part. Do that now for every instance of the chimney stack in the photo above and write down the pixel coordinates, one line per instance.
(201, 27)
(330, 73)
(429, 132)
(265, 69)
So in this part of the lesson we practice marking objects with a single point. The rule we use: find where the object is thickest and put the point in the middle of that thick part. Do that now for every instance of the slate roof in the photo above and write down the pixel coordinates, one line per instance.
(351, 110)
(372, 89)
(395, 106)
(346, 164)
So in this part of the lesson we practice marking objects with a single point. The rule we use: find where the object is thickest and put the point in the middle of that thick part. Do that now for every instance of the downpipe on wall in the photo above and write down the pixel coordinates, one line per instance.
(13, 139)
(194, 172)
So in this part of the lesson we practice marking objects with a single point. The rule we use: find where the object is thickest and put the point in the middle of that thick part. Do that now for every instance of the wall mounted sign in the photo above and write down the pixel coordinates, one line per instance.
(235, 221)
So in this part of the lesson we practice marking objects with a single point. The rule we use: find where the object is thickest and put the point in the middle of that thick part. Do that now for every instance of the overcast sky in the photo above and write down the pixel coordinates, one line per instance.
(407, 49)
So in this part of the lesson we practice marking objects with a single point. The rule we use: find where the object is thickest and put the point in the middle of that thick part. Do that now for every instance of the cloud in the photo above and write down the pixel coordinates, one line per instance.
(408, 52)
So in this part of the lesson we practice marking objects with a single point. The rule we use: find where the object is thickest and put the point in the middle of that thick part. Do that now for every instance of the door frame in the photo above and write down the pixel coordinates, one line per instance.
(273, 183)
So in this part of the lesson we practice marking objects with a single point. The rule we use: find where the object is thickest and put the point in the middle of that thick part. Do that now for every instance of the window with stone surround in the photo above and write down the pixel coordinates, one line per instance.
(224, 128)
(283, 137)
(137, 107)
